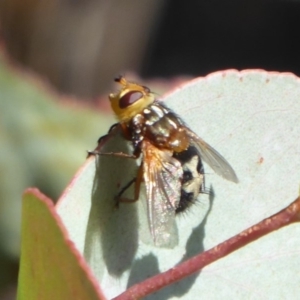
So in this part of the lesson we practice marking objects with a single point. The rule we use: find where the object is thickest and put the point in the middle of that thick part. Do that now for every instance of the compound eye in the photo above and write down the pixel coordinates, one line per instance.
(130, 98)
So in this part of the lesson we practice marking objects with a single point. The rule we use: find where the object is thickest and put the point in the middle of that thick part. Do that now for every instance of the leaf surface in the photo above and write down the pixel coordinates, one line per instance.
(251, 118)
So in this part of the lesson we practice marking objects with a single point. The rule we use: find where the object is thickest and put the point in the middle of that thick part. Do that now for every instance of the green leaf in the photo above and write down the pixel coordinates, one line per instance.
(51, 267)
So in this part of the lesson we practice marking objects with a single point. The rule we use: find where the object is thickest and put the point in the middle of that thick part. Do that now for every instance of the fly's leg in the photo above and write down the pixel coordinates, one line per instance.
(126, 134)
(119, 198)
(203, 189)
(117, 154)
(138, 180)
(136, 154)
(103, 138)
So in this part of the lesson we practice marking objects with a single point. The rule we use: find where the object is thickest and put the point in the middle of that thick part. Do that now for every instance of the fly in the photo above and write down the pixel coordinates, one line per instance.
(171, 165)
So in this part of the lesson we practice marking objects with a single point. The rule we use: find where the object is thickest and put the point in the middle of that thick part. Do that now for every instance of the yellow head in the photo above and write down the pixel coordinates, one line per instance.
(130, 100)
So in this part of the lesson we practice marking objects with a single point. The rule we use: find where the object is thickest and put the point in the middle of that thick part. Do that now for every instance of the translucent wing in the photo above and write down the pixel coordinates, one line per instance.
(213, 158)
(162, 176)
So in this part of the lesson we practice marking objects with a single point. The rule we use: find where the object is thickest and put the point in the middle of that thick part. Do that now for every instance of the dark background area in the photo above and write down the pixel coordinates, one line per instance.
(78, 46)
(206, 36)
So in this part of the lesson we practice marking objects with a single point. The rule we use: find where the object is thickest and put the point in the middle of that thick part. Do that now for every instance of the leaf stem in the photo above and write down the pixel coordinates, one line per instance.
(283, 218)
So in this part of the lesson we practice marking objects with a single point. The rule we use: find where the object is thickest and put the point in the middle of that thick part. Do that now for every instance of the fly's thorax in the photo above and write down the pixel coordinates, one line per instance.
(160, 126)
(136, 128)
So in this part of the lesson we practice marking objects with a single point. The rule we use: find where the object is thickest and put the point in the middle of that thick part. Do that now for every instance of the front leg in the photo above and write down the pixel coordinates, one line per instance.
(117, 154)
(111, 132)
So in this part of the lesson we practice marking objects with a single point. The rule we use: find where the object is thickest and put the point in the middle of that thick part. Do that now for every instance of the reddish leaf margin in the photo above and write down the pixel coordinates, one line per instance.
(50, 267)
(283, 218)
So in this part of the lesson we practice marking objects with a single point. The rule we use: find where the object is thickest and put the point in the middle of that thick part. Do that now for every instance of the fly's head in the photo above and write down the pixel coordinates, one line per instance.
(130, 100)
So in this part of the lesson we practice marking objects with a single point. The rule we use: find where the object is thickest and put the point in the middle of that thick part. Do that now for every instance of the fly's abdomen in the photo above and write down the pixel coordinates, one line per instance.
(193, 177)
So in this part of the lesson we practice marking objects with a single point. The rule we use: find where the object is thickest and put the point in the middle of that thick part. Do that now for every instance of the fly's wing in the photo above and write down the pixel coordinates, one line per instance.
(162, 176)
(213, 158)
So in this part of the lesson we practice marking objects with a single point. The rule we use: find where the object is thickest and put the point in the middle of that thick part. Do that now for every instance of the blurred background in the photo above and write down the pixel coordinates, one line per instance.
(58, 59)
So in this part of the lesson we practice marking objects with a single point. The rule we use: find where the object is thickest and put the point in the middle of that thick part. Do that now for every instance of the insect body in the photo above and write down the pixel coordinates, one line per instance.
(192, 182)
(172, 157)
